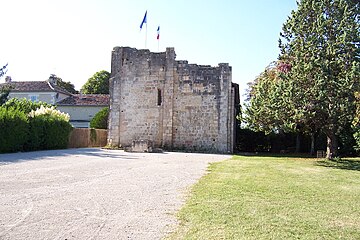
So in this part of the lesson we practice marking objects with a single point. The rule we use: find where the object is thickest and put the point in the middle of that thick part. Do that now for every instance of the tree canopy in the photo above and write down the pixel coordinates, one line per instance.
(97, 84)
(68, 86)
(317, 73)
(269, 102)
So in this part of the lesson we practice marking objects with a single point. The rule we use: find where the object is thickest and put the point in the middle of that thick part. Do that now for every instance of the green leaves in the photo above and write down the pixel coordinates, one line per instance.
(100, 120)
(68, 86)
(97, 84)
(4, 93)
(320, 41)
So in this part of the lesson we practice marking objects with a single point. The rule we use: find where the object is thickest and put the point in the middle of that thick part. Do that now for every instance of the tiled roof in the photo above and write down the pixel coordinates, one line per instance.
(35, 86)
(86, 100)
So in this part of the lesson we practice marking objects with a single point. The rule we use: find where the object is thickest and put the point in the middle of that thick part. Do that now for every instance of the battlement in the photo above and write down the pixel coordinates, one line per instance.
(153, 96)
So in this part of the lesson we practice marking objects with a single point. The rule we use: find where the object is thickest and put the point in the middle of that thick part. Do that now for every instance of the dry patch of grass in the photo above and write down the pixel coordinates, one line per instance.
(274, 198)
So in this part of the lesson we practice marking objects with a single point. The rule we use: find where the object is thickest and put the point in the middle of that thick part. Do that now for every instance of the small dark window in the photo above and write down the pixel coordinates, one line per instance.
(159, 99)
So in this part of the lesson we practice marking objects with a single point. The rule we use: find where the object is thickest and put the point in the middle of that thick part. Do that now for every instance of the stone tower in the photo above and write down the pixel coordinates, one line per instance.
(171, 103)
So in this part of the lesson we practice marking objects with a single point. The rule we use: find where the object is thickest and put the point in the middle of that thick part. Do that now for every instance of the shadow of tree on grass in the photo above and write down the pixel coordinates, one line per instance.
(346, 164)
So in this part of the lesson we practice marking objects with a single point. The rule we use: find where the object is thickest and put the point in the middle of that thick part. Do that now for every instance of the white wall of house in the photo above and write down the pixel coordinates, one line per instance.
(80, 116)
(48, 97)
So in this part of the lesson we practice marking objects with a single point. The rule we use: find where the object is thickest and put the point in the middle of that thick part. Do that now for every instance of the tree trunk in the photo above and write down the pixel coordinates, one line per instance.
(298, 143)
(312, 147)
(332, 146)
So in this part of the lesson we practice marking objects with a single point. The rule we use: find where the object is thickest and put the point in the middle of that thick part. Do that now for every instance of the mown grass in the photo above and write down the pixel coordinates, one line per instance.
(274, 198)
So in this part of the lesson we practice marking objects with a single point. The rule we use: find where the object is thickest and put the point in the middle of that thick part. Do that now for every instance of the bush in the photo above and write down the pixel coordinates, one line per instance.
(53, 132)
(14, 129)
(24, 105)
(100, 120)
(23, 128)
(36, 134)
(49, 129)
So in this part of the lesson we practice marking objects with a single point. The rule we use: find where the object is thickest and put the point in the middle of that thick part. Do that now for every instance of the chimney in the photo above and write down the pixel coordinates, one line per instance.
(8, 79)
(53, 79)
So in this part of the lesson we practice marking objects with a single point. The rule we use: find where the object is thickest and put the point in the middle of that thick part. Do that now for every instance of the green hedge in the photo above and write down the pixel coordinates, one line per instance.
(47, 132)
(57, 133)
(21, 132)
(14, 130)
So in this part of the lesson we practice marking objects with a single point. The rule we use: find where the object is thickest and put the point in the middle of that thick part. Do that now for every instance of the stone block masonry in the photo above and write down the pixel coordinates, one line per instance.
(173, 104)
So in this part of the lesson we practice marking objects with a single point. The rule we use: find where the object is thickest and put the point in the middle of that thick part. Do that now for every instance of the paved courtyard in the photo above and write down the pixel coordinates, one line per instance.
(94, 193)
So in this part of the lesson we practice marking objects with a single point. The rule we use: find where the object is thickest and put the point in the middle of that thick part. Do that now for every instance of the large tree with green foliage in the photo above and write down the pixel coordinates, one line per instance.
(269, 102)
(320, 40)
(97, 84)
(314, 83)
(269, 107)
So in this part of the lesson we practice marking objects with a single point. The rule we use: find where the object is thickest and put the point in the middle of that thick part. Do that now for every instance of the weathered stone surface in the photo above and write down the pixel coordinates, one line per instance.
(173, 104)
(140, 146)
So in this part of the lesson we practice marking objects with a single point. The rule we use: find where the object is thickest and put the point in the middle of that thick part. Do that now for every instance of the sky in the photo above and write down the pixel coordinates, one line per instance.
(74, 38)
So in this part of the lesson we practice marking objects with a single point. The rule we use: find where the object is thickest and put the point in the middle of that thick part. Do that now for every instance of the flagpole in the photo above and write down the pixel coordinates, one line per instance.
(145, 34)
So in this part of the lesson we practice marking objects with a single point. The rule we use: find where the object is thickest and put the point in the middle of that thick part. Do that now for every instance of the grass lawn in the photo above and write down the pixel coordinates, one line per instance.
(274, 198)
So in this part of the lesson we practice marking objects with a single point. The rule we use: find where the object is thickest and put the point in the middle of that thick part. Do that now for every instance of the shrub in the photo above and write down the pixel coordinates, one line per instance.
(14, 129)
(49, 111)
(100, 120)
(24, 104)
(36, 134)
(49, 129)
(57, 132)
(23, 127)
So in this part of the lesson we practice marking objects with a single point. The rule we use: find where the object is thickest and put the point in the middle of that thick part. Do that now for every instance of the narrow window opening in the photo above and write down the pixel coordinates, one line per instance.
(159, 98)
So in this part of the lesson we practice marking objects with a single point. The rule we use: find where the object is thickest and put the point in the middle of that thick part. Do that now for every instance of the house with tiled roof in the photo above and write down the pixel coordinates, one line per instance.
(45, 91)
(81, 107)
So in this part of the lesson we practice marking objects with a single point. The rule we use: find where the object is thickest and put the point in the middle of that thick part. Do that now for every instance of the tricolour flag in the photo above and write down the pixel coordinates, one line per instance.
(158, 33)
(143, 21)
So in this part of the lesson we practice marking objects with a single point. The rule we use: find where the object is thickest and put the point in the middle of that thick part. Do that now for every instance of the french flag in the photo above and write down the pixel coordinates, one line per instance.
(158, 33)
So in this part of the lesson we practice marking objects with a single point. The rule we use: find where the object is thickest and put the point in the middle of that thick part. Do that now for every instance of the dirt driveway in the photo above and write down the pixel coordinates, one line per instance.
(94, 193)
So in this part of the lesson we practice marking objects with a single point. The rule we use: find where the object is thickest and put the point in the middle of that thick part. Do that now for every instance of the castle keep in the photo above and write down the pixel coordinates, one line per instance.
(171, 103)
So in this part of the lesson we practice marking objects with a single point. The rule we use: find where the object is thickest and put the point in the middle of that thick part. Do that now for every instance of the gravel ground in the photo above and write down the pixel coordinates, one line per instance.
(95, 193)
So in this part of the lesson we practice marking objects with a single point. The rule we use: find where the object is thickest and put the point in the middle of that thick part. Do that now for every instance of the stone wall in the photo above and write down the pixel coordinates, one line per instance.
(173, 104)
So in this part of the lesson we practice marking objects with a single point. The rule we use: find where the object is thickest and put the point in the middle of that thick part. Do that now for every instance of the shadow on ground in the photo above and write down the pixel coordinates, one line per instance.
(346, 164)
(277, 155)
(54, 154)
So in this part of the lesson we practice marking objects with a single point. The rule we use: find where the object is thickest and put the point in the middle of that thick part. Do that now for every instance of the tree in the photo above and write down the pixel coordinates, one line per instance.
(68, 86)
(97, 84)
(320, 40)
(268, 105)
(4, 93)
(3, 70)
